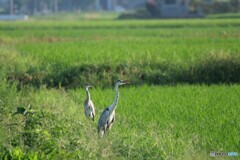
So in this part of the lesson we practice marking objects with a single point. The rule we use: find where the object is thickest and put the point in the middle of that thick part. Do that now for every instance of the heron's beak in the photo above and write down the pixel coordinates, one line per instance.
(90, 86)
(126, 82)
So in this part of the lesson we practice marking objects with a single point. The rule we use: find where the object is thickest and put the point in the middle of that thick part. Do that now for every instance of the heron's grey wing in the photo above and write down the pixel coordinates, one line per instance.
(85, 104)
(102, 123)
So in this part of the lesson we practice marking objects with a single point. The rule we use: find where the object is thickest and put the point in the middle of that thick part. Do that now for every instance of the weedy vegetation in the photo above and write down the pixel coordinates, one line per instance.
(183, 101)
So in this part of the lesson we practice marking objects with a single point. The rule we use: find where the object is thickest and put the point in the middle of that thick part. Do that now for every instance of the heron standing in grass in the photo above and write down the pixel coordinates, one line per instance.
(108, 115)
(88, 104)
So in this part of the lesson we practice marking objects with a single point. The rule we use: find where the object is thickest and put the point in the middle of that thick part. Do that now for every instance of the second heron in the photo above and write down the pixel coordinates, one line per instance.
(88, 104)
(108, 115)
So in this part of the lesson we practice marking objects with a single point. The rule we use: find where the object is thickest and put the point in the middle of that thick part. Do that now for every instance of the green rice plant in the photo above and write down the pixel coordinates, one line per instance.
(145, 52)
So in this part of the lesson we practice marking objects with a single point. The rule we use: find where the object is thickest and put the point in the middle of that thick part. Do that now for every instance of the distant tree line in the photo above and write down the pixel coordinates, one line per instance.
(207, 6)
(36, 6)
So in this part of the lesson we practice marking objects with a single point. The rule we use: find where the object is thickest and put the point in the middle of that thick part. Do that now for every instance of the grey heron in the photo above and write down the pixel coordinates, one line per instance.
(88, 104)
(108, 115)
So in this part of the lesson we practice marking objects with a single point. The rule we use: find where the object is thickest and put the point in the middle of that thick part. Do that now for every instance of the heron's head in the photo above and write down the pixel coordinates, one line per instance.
(121, 82)
(86, 86)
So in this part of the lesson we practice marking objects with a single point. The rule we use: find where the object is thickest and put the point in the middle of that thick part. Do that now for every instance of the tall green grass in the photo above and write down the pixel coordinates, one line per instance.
(181, 122)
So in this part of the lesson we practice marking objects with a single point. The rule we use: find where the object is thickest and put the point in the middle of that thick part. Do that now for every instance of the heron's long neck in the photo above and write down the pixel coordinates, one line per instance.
(114, 105)
(88, 95)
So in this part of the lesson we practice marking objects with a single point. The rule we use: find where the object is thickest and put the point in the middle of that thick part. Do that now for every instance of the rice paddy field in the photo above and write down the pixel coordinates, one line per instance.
(182, 103)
